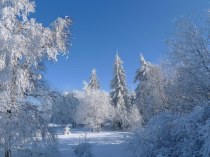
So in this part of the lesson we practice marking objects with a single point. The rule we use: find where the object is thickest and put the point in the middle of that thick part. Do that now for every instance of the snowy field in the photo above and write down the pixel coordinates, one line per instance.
(104, 143)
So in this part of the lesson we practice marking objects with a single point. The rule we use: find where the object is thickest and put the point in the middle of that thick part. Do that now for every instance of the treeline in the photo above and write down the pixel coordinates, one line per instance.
(94, 107)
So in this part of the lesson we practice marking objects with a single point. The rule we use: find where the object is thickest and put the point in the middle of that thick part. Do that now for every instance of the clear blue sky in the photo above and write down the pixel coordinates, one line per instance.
(101, 27)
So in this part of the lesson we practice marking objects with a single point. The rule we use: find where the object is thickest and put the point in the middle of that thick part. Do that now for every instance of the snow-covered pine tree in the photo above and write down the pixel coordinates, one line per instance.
(25, 44)
(93, 83)
(119, 94)
(150, 91)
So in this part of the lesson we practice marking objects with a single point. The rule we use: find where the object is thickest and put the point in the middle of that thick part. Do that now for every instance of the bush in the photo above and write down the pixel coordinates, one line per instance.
(170, 134)
(84, 149)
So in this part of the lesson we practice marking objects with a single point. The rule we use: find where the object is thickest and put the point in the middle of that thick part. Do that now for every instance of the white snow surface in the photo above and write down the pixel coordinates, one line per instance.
(104, 144)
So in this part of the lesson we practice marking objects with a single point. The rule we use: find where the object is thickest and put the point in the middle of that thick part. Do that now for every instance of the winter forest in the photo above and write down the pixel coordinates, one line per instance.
(167, 114)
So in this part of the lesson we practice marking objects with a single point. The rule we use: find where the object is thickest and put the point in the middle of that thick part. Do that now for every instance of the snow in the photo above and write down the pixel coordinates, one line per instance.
(104, 144)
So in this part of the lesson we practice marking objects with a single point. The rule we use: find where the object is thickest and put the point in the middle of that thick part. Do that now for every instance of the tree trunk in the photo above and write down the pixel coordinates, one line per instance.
(7, 153)
(74, 125)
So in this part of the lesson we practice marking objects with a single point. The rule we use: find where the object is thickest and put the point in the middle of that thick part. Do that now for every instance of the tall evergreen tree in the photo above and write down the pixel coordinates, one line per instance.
(119, 93)
(93, 83)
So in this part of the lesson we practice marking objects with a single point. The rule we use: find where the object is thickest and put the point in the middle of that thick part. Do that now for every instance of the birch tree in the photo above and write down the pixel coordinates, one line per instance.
(25, 44)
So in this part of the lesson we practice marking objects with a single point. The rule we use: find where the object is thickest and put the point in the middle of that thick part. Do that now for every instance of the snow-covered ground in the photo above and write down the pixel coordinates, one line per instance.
(104, 143)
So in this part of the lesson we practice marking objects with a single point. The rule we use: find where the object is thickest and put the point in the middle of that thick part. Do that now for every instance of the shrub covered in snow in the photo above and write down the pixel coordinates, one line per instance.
(67, 130)
(84, 149)
(170, 134)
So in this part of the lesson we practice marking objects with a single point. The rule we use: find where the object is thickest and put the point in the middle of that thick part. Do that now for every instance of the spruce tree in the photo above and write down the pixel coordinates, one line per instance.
(119, 93)
(150, 92)
(93, 83)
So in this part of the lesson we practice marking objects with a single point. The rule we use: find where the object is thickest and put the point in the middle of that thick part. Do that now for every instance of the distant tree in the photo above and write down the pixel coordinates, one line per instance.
(93, 83)
(132, 97)
(24, 46)
(119, 93)
(150, 91)
(94, 108)
(63, 107)
(73, 102)
(134, 119)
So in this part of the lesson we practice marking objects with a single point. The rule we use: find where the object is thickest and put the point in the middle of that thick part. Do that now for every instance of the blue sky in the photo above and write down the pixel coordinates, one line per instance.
(100, 27)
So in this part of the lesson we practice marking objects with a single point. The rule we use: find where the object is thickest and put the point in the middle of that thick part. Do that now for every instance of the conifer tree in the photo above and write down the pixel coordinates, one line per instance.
(119, 93)
(93, 83)
(150, 92)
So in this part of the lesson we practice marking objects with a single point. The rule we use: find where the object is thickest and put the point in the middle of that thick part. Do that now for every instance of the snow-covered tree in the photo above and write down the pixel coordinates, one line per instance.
(132, 97)
(94, 108)
(72, 102)
(93, 83)
(119, 93)
(150, 91)
(25, 43)
(133, 119)
(63, 107)
(188, 66)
